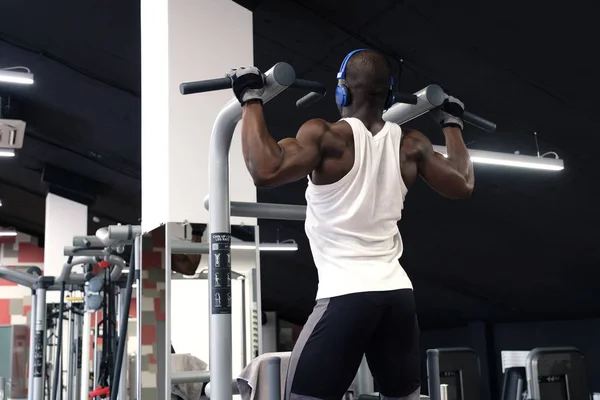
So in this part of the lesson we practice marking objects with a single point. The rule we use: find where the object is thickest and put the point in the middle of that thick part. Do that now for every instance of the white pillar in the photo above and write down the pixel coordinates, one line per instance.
(182, 41)
(64, 219)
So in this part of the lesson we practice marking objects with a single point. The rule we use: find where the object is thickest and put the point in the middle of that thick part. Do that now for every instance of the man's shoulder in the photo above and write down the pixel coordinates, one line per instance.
(317, 126)
(316, 129)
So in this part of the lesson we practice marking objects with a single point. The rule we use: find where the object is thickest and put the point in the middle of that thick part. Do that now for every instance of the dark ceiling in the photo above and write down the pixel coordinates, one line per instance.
(522, 248)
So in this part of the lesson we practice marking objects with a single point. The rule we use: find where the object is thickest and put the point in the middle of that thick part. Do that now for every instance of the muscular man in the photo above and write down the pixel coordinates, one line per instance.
(359, 170)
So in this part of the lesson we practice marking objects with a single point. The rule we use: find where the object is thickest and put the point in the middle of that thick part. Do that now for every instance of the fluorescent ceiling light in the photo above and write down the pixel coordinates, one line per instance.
(510, 160)
(7, 153)
(265, 246)
(7, 232)
(25, 78)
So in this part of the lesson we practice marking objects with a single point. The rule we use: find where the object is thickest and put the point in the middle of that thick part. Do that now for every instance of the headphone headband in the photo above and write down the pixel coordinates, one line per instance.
(343, 95)
(342, 73)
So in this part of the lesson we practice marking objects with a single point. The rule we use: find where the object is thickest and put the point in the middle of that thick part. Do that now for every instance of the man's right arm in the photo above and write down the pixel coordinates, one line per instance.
(273, 163)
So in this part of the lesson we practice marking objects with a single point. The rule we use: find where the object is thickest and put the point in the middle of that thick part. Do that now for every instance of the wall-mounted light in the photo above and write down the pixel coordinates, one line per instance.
(7, 153)
(20, 75)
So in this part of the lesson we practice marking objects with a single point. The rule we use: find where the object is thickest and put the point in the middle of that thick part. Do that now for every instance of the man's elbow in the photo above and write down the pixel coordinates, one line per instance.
(260, 182)
(465, 192)
(263, 181)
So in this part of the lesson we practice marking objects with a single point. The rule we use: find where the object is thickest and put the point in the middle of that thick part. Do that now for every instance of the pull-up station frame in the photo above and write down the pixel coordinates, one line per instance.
(278, 78)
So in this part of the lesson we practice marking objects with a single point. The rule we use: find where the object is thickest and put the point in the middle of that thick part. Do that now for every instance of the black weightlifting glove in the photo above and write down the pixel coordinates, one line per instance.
(198, 229)
(248, 83)
(450, 113)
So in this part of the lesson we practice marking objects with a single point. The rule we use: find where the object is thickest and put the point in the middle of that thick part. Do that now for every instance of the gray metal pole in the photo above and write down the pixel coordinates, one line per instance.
(257, 290)
(244, 327)
(18, 277)
(3, 388)
(124, 361)
(234, 387)
(71, 354)
(428, 98)
(444, 392)
(137, 247)
(32, 337)
(166, 348)
(364, 379)
(124, 232)
(182, 377)
(77, 356)
(87, 241)
(288, 212)
(95, 348)
(85, 351)
(278, 79)
(39, 346)
(274, 377)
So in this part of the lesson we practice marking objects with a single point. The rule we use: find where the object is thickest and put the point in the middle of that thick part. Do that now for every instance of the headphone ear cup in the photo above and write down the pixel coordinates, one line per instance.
(342, 95)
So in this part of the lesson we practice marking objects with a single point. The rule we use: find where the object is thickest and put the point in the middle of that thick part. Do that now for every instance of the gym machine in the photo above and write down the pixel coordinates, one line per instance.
(453, 374)
(541, 374)
(545, 373)
(49, 318)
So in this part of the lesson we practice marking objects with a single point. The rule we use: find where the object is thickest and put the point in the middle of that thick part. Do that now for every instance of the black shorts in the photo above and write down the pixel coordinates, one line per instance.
(381, 325)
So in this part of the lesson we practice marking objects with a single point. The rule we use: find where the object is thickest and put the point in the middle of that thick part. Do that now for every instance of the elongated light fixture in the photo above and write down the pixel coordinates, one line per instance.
(7, 152)
(7, 232)
(265, 246)
(12, 75)
(510, 160)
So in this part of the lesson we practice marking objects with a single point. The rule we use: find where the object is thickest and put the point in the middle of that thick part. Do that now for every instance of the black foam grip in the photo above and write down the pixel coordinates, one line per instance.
(309, 86)
(208, 85)
(309, 99)
(479, 122)
(406, 98)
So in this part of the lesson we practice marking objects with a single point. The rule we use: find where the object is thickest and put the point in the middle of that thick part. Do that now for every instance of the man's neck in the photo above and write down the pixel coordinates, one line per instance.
(370, 116)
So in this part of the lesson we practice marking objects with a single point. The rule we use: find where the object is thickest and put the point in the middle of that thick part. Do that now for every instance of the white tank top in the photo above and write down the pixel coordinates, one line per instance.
(352, 224)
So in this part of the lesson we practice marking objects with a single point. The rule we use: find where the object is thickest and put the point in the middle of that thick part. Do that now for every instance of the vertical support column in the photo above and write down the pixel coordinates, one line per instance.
(479, 343)
(85, 351)
(64, 219)
(125, 362)
(71, 353)
(163, 331)
(152, 317)
(174, 51)
(39, 346)
(77, 355)
(257, 291)
(137, 246)
(32, 338)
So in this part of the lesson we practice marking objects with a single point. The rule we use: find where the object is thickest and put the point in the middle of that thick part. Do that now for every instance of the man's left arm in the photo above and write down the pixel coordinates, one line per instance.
(451, 176)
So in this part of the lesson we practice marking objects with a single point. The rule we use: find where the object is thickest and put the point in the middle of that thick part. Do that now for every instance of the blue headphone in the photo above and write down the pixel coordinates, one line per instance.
(342, 94)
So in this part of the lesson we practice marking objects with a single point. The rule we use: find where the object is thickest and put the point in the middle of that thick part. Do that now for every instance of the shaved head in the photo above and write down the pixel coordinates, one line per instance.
(368, 75)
